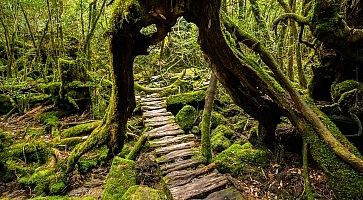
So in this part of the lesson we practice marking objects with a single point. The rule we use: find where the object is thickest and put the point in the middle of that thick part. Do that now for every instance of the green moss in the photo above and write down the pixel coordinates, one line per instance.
(56, 187)
(224, 130)
(63, 198)
(338, 89)
(80, 129)
(97, 158)
(50, 119)
(34, 151)
(195, 130)
(139, 192)
(190, 98)
(239, 159)
(217, 119)
(122, 175)
(186, 117)
(343, 179)
(5, 140)
(35, 132)
(44, 181)
(219, 142)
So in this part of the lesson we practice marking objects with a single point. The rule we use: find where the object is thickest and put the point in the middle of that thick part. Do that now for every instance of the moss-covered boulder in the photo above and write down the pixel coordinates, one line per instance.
(176, 102)
(221, 138)
(122, 176)
(44, 181)
(139, 192)
(338, 89)
(225, 130)
(239, 159)
(217, 119)
(186, 117)
(219, 142)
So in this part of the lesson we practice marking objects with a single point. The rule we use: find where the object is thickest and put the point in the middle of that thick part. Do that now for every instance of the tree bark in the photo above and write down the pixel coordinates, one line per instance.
(206, 117)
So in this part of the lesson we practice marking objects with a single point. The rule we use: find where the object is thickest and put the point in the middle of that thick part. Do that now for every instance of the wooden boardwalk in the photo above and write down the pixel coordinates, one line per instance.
(186, 178)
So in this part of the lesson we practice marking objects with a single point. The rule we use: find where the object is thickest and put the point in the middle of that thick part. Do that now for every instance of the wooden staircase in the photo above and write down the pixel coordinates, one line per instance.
(186, 178)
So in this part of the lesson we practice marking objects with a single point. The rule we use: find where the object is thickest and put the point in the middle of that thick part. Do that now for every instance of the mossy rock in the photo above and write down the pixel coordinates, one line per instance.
(338, 89)
(139, 192)
(5, 104)
(219, 142)
(239, 159)
(217, 119)
(176, 102)
(224, 130)
(44, 181)
(186, 117)
(122, 176)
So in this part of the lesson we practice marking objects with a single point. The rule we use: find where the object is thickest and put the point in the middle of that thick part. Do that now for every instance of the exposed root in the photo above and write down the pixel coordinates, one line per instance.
(163, 89)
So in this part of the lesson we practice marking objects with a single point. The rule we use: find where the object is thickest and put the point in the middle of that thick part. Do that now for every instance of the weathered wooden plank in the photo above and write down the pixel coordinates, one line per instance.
(157, 124)
(177, 178)
(167, 140)
(168, 127)
(159, 119)
(151, 107)
(163, 112)
(175, 155)
(168, 149)
(154, 103)
(144, 99)
(199, 187)
(153, 95)
(165, 133)
(179, 165)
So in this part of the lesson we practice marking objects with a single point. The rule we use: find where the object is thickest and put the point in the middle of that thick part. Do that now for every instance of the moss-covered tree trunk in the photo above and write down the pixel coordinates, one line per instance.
(206, 117)
(126, 42)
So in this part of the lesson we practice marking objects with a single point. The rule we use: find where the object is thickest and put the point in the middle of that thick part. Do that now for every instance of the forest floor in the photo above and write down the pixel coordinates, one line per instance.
(282, 179)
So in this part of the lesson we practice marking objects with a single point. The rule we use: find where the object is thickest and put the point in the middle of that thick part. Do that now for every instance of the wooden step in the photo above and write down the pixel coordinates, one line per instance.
(157, 114)
(153, 95)
(157, 124)
(175, 155)
(151, 112)
(148, 99)
(168, 149)
(179, 165)
(199, 187)
(149, 108)
(182, 177)
(158, 130)
(166, 133)
(168, 140)
(154, 103)
(159, 119)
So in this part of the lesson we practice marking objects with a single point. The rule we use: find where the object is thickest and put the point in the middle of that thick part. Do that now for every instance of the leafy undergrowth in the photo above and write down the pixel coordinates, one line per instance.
(33, 153)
